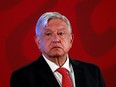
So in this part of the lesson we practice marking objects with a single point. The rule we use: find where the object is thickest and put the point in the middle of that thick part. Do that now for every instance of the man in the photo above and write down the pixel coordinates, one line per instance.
(54, 39)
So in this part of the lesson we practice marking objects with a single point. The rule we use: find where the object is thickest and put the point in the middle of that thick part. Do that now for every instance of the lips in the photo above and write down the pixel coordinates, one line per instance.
(56, 47)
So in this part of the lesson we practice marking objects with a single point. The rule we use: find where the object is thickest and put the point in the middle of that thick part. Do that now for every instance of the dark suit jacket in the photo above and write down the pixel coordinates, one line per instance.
(39, 74)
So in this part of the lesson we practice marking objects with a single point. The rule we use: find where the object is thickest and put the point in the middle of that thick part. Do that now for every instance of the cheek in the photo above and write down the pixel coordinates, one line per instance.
(44, 44)
(66, 43)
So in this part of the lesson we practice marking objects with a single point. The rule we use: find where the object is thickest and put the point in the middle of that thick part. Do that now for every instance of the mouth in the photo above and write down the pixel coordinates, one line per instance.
(56, 47)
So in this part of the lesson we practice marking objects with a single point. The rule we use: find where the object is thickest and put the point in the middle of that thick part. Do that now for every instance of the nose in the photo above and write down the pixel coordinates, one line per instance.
(55, 38)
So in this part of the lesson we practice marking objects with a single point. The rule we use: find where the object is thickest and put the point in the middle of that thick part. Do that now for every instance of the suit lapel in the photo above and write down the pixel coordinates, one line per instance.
(78, 73)
(46, 73)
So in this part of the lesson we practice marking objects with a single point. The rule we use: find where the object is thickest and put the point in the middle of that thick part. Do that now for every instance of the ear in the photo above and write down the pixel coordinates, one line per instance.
(37, 41)
(71, 38)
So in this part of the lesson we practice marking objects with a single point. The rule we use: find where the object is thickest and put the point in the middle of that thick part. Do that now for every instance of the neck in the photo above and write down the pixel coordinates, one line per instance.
(58, 60)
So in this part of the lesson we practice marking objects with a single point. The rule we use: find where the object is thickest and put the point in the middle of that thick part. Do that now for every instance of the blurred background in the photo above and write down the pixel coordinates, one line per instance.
(93, 23)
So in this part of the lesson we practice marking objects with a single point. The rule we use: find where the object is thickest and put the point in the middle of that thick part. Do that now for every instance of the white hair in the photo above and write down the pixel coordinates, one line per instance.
(43, 20)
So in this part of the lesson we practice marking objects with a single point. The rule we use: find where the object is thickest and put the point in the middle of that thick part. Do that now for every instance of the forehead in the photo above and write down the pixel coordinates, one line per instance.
(56, 24)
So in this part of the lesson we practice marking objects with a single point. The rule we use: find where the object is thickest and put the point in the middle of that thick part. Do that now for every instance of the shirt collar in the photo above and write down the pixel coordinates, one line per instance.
(53, 66)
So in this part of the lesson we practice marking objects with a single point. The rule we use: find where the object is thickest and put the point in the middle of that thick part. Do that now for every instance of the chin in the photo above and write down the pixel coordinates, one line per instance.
(56, 55)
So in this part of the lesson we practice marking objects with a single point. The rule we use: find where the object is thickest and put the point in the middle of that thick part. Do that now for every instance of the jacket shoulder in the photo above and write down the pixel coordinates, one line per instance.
(25, 70)
(85, 65)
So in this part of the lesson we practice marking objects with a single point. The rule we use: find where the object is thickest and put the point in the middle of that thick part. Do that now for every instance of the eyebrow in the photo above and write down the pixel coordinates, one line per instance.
(47, 29)
(59, 28)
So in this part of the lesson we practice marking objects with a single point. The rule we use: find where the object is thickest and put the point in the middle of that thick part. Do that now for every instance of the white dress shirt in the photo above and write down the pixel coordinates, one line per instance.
(58, 76)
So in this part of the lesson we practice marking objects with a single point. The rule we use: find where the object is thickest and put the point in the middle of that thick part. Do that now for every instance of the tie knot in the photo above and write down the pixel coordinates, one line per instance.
(62, 71)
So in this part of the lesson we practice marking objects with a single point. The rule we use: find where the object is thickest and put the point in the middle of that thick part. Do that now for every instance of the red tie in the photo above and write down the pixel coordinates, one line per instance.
(66, 81)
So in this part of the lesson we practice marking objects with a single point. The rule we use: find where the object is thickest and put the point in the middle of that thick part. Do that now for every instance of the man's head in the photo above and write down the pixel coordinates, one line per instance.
(53, 34)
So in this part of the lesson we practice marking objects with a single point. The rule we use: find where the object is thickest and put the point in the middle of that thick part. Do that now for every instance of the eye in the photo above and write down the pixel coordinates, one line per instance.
(61, 33)
(48, 33)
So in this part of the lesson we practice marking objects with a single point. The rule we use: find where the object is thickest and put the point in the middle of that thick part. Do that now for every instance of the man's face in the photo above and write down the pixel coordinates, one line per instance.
(55, 39)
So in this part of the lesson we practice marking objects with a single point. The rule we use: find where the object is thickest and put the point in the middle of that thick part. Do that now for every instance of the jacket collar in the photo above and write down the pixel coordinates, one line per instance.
(45, 71)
